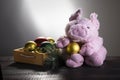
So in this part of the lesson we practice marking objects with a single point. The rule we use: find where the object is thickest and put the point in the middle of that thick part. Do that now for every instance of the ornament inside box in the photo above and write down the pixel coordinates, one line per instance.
(42, 51)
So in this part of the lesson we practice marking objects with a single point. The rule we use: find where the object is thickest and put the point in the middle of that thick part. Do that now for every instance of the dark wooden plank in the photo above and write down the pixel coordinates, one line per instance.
(20, 71)
(1, 77)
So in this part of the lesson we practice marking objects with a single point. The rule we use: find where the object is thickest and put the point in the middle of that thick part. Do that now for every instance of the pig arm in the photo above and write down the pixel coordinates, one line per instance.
(62, 42)
(90, 47)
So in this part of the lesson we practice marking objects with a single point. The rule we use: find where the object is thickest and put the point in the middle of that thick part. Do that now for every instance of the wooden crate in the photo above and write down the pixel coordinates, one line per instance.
(29, 57)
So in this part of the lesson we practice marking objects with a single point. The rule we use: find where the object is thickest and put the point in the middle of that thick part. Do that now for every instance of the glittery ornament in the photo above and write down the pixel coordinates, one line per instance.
(47, 47)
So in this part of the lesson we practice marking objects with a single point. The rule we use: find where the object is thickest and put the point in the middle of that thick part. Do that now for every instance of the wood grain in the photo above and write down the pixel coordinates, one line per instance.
(19, 71)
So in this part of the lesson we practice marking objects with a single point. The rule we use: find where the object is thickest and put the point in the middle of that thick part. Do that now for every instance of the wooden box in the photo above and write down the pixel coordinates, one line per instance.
(29, 57)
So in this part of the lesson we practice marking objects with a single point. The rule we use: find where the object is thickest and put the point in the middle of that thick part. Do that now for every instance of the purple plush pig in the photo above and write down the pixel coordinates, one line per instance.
(83, 31)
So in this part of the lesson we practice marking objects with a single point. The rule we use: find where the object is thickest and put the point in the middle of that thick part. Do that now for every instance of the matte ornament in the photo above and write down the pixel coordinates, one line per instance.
(73, 48)
(30, 46)
(39, 40)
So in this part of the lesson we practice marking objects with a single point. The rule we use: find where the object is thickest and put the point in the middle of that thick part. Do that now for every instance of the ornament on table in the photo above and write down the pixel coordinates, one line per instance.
(37, 50)
(51, 40)
(84, 31)
(46, 47)
(30, 46)
(39, 40)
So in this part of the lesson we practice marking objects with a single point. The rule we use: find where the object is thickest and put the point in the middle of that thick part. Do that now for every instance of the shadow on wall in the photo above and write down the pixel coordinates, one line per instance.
(13, 31)
(109, 16)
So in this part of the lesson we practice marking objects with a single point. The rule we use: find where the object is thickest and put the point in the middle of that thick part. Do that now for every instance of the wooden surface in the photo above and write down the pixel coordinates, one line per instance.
(19, 71)
(0, 73)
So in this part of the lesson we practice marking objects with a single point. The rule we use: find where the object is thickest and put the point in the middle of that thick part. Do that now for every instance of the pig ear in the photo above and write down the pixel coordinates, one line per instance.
(76, 15)
(94, 20)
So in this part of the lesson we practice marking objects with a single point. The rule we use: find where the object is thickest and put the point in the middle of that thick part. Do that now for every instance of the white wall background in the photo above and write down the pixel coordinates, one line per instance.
(23, 20)
(48, 16)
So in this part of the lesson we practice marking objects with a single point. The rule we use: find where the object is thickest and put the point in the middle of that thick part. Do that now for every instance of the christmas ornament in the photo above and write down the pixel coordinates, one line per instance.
(39, 40)
(73, 47)
(46, 47)
(51, 40)
(30, 46)
(37, 50)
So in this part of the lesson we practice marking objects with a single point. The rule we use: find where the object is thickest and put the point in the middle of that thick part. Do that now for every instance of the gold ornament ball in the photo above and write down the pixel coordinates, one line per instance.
(73, 48)
(37, 50)
(30, 46)
(50, 39)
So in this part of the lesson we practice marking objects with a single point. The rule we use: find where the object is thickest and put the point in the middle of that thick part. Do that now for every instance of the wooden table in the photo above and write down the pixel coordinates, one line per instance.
(19, 71)
(1, 77)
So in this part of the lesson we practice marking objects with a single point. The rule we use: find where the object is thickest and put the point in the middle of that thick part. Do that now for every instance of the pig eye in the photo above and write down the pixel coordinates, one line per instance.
(88, 27)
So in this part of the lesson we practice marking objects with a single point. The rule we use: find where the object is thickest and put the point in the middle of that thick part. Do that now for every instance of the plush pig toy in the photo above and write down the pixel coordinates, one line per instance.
(83, 31)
